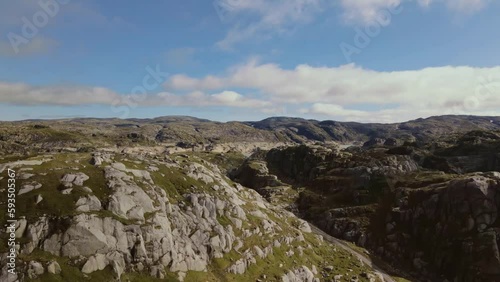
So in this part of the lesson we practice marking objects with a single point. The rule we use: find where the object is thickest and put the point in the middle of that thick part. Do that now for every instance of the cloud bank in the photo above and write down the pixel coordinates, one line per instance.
(351, 92)
(262, 19)
(347, 92)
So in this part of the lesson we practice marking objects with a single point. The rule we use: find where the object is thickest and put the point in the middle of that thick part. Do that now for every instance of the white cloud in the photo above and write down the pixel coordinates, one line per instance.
(24, 94)
(463, 6)
(263, 19)
(27, 95)
(365, 11)
(269, 17)
(184, 82)
(340, 91)
(346, 92)
(200, 99)
(332, 109)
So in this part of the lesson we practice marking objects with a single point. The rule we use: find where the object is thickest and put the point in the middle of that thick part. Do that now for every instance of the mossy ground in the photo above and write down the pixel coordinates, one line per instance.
(55, 203)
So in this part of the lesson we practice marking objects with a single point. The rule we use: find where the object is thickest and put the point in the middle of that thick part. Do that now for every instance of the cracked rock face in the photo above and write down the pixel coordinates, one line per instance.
(453, 228)
(128, 200)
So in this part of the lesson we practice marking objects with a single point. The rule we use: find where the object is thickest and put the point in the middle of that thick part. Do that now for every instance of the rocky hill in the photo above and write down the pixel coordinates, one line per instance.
(186, 199)
(34, 136)
(110, 215)
(300, 130)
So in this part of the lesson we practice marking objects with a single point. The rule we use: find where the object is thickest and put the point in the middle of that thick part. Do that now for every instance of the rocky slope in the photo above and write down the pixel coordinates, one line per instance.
(112, 215)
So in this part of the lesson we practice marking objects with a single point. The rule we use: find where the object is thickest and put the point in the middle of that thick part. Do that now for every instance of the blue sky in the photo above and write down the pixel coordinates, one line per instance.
(360, 60)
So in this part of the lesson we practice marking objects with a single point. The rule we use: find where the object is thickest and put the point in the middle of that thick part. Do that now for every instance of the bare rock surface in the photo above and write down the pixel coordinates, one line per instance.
(26, 188)
(77, 179)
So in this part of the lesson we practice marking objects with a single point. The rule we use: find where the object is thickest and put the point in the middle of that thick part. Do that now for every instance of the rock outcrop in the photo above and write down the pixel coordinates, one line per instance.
(167, 218)
(446, 226)
(452, 229)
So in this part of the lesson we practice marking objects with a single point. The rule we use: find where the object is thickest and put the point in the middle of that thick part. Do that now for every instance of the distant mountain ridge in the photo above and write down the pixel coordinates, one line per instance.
(172, 129)
(298, 129)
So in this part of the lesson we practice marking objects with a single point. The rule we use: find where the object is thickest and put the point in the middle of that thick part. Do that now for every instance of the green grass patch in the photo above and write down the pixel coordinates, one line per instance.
(54, 203)
(176, 183)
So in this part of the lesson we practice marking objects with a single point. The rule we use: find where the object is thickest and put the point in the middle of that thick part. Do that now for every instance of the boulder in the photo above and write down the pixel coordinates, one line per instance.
(304, 226)
(35, 269)
(239, 267)
(88, 203)
(302, 274)
(90, 235)
(96, 160)
(67, 191)
(71, 179)
(38, 199)
(29, 187)
(25, 176)
(95, 263)
(21, 225)
(53, 267)
(87, 189)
